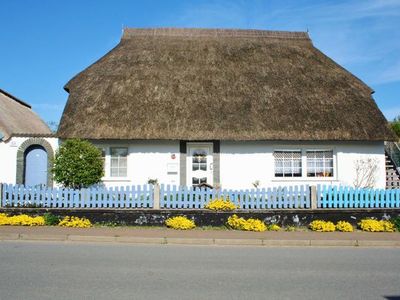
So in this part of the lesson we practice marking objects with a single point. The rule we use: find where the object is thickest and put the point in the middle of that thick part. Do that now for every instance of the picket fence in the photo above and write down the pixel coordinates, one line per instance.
(348, 197)
(292, 197)
(139, 196)
(181, 197)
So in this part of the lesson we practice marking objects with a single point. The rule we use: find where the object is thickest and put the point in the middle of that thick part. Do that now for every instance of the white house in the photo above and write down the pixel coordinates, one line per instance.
(226, 107)
(233, 108)
(26, 144)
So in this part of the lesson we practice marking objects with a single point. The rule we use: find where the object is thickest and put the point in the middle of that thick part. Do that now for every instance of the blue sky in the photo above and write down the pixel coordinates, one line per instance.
(45, 43)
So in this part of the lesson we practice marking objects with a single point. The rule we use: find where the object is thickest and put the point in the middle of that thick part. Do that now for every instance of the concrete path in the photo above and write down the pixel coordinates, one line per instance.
(59, 270)
(198, 236)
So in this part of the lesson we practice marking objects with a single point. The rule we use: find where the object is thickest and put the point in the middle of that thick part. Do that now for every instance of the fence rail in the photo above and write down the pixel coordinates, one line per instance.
(180, 197)
(96, 197)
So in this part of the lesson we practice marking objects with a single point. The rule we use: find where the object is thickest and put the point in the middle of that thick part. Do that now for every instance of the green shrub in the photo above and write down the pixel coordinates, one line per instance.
(50, 219)
(396, 222)
(78, 164)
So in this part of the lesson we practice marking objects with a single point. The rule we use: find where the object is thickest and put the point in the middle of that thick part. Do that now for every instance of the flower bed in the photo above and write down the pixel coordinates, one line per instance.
(25, 220)
(180, 222)
(75, 222)
(21, 220)
(221, 204)
(376, 226)
(249, 225)
(322, 226)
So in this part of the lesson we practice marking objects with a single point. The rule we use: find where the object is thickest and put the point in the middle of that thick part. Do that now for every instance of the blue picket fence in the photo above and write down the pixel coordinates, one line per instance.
(293, 197)
(181, 197)
(348, 197)
(139, 196)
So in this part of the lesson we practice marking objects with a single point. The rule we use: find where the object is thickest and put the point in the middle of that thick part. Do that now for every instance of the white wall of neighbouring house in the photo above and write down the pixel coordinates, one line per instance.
(242, 163)
(8, 156)
(146, 160)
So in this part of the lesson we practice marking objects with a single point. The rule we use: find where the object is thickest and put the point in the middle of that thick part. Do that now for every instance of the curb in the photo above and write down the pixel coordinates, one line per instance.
(199, 241)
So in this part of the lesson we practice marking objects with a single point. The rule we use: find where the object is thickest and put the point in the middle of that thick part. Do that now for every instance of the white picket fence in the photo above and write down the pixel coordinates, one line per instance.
(139, 196)
(182, 197)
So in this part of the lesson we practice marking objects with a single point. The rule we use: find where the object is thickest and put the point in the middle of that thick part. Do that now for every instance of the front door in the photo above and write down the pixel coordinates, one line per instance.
(199, 164)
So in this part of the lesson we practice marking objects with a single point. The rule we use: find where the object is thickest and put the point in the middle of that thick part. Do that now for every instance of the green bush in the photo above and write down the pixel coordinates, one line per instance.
(396, 222)
(78, 164)
(50, 219)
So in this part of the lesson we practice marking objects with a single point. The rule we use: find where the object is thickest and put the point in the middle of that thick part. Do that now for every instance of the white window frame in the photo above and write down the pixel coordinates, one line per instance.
(107, 163)
(301, 160)
(118, 167)
(304, 149)
(333, 163)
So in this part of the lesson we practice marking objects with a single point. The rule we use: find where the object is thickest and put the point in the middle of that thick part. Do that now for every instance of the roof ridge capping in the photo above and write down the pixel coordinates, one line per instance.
(210, 32)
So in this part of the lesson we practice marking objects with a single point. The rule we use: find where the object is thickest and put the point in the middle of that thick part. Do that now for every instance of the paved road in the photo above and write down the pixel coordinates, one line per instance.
(42, 270)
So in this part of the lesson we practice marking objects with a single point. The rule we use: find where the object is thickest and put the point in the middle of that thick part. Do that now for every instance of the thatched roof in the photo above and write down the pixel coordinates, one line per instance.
(203, 84)
(17, 118)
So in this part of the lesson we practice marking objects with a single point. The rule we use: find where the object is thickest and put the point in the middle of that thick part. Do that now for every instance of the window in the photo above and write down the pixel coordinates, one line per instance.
(319, 163)
(119, 161)
(196, 180)
(199, 160)
(287, 163)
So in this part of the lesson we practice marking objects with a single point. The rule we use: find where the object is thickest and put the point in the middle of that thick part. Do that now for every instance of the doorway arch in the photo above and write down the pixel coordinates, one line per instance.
(35, 172)
(41, 146)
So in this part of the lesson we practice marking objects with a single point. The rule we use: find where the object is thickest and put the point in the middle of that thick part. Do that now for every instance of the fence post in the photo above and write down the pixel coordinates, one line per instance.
(156, 196)
(313, 197)
(1, 194)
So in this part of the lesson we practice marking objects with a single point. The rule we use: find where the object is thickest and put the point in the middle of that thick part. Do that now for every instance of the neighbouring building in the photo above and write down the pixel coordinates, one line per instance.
(26, 144)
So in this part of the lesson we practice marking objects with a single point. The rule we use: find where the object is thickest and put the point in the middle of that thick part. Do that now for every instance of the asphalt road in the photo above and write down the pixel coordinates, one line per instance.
(30, 270)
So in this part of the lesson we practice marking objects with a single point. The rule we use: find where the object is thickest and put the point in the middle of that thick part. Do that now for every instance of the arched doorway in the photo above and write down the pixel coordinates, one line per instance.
(42, 150)
(36, 160)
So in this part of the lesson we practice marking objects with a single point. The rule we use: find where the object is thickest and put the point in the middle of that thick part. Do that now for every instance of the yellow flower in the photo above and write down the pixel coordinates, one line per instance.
(376, 226)
(322, 226)
(249, 225)
(21, 220)
(75, 222)
(220, 204)
(180, 222)
(344, 226)
(274, 227)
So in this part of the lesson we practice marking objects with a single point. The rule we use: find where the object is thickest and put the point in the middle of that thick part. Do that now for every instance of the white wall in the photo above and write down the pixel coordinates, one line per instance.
(8, 157)
(242, 163)
(146, 160)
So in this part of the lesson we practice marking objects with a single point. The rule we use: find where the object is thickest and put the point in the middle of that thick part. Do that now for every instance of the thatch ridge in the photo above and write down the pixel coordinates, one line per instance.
(207, 84)
(208, 32)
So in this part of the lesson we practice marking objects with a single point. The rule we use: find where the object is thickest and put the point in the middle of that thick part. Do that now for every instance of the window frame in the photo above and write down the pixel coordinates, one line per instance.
(119, 167)
(107, 163)
(283, 168)
(333, 163)
(304, 149)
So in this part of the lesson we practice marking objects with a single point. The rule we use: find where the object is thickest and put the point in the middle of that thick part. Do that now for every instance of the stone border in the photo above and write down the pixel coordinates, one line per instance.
(21, 158)
(196, 241)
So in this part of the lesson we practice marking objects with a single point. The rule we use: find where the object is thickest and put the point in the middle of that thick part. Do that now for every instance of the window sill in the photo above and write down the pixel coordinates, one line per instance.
(114, 179)
(322, 179)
